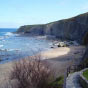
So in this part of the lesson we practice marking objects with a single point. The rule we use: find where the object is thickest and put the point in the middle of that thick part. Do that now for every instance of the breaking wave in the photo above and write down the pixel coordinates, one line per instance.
(9, 34)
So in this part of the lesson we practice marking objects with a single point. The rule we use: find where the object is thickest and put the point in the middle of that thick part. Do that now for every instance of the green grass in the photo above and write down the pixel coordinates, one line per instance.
(85, 74)
(58, 83)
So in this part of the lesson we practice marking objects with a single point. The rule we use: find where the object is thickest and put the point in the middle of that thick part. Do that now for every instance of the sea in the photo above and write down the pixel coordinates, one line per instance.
(14, 46)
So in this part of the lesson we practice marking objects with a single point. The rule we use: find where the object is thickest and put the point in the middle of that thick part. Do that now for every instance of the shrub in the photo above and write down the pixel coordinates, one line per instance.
(58, 83)
(32, 73)
(7, 83)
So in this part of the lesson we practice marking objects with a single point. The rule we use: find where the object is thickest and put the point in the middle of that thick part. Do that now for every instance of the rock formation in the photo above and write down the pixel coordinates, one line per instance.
(74, 28)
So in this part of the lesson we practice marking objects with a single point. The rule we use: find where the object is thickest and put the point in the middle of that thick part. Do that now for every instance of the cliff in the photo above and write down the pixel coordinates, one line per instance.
(84, 60)
(75, 28)
(32, 29)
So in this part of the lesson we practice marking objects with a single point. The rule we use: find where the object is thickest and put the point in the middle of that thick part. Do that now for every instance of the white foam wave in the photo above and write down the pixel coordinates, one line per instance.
(13, 49)
(9, 34)
(10, 49)
(1, 46)
(1, 38)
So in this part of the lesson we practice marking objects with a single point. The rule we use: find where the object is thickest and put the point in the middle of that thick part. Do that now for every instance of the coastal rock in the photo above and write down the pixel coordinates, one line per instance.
(86, 53)
(74, 28)
(61, 44)
(85, 57)
(33, 29)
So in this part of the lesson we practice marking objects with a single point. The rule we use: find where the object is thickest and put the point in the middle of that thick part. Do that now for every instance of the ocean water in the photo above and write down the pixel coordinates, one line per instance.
(14, 46)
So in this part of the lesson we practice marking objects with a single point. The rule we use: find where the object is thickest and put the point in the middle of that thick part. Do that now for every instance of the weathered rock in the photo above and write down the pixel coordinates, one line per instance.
(73, 29)
(33, 29)
(85, 58)
(61, 44)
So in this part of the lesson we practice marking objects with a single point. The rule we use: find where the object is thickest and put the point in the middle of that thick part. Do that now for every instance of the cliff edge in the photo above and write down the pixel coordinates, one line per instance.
(75, 28)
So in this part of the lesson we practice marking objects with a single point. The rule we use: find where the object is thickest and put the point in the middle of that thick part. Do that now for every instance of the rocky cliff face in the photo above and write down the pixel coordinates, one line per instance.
(84, 60)
(86, 53)
(32, 29)
(74, 28)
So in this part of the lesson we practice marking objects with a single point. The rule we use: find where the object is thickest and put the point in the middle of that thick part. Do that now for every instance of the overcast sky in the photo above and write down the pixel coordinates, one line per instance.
(14, 13)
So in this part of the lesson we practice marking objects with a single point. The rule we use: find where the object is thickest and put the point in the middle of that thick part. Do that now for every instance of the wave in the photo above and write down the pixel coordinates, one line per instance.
(9, 34)
(1, 38)
(13, 49)
(10, 49)
(1, 46)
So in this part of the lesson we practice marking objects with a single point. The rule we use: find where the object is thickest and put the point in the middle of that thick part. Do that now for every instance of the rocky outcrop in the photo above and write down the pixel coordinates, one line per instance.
(84, 60)
(33, 29)
(86, 53)
(73, 29)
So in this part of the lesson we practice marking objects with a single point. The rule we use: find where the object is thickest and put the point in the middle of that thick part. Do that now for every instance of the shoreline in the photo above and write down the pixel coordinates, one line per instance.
(58, 58)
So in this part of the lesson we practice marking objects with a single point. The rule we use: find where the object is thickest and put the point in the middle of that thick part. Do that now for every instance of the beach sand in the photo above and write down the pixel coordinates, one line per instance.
(54, 53)
(63, 57)
(58, 58)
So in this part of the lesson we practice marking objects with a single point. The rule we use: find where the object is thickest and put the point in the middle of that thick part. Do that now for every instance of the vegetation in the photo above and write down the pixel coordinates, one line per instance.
(33, 73)
(85, 74)
(58, 83)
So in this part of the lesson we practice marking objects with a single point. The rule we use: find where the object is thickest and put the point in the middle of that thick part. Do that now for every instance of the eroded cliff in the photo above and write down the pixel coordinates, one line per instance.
(74, 28)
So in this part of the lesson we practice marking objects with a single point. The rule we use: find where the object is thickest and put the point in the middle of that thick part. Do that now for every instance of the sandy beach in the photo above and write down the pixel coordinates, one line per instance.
(54, 53)
(59, 59)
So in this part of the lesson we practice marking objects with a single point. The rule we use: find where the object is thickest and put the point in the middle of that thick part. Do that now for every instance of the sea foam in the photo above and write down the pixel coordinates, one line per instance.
(1, 46)
(9, 34)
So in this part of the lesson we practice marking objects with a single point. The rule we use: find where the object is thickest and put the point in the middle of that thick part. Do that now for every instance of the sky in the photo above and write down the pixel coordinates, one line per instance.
(15, 13)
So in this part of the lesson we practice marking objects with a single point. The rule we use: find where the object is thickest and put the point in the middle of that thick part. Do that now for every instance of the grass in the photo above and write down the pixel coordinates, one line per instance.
(85, 74)
(58, 83)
